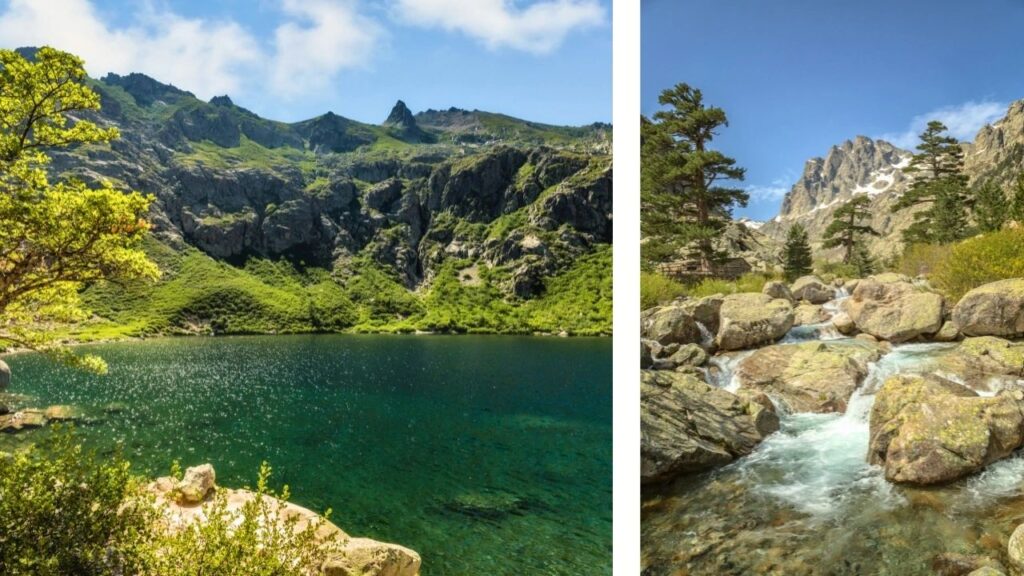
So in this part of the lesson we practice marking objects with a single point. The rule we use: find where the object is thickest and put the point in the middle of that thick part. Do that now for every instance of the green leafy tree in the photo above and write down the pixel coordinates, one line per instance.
(939, 186)
(1016, 208)
(991, 208)
(54, 238)
(847, 228)
(796, 253)
(682, 177)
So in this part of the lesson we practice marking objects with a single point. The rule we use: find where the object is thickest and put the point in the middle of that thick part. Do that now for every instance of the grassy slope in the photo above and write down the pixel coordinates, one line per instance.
(199, 294)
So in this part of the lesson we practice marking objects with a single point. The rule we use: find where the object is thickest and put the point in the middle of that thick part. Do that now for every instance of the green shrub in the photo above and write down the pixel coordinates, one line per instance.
(829, 271)
(65, 511)
(980, 260)
(749, 282)
(656, 289)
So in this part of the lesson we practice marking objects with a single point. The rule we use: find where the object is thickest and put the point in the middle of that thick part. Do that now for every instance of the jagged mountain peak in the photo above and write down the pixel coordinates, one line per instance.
(401, 116)
(145, 89)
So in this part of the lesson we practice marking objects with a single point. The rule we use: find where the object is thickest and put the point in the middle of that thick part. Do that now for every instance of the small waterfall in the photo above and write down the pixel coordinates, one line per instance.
(707, 339)
(725, 375)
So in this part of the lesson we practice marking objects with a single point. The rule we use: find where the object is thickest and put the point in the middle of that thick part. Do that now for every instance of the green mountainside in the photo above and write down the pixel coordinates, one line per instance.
(456, 221)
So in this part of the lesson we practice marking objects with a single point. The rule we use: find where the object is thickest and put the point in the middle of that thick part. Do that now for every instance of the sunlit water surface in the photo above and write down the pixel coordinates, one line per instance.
(391, 432)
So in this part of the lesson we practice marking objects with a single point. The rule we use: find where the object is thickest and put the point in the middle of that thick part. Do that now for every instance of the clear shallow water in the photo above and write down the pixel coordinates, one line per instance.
(386, 430)
(806, 502)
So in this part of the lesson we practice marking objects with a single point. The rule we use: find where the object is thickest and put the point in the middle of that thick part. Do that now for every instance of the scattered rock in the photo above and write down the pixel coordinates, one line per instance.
(63, 413)
(891, 309)
(1015, 549)
(812, 289)
(844, 324)
(927, 430)
(646, 357)
(995, 309)
(673, 323)
(747, 320)
(688, 426)
(690, 355)
(809, 376)
(809, 314)
(777, 289)
(948, 333)
(22, 420)
(196, 485)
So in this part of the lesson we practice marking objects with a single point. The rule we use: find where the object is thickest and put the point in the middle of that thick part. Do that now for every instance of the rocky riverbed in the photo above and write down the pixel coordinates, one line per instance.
(850, 427)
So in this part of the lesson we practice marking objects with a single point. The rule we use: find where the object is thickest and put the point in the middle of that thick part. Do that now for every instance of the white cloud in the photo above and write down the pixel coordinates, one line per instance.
(538, 28)
(328, 36)
(319, 39)
(963, 120)
(206, 57)
(768, 193)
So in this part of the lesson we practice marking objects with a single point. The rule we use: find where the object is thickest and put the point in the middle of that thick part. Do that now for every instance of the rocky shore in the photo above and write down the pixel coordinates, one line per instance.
(874, 388)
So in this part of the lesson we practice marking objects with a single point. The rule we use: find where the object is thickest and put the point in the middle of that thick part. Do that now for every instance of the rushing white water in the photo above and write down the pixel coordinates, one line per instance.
(724, 375)
(817, 462)
(706, 337)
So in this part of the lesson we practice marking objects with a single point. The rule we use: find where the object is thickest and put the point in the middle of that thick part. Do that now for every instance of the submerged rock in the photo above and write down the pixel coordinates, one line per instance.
(995, 309)
(927, 430)
(748, 320)
(809, 376)
(812, 289)
(688, 426)
(892, 309)
(22, 420)
(490, 505)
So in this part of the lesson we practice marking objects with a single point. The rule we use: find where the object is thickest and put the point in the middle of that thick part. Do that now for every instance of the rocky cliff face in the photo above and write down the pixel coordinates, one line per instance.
(875, 167)
(326, 191)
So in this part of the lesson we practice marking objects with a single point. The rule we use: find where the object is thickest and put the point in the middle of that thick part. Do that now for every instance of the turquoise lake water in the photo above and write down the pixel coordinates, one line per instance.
(391, 432)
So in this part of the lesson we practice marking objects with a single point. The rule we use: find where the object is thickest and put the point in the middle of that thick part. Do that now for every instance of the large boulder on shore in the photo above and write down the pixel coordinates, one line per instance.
(994, 309)
(805, 314)
(687, 425)
(809, 376)
(812, 289)
(984, 363)
(748, 320)
(681, 322)
(349, 556)
(926, 430)
(890, 308)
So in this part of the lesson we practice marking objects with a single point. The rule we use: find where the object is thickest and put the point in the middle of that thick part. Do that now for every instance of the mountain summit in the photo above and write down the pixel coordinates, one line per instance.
(402, 124)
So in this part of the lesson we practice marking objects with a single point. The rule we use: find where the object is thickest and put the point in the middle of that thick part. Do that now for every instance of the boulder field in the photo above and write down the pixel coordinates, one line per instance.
(929, 424)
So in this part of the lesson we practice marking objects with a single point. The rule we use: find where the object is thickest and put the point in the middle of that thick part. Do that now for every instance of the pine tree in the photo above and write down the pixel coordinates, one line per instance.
(846, 228)
(862, 260)
(937, 170)
(990, 207)
(1016, 209)
(796, 253)
(681, 174)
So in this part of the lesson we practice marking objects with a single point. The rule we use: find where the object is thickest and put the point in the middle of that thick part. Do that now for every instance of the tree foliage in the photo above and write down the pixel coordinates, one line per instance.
(1016, 204)
(796, 255)
(991, 208)
(939, 186)
(56, 237)
(683, 192)
(847, 228)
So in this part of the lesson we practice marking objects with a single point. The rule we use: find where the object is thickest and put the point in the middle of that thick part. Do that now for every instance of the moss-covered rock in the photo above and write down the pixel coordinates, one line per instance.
(926, 430)
(687, 425)
(747, 320)
(812, 289)
(810, 376)
(994, 309)
(891, 309)
(805, 314)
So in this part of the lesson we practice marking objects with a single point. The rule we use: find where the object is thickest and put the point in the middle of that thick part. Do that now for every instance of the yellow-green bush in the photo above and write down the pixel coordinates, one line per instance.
(920, 259)
(656, 289)
(750, 282)
(980, 260)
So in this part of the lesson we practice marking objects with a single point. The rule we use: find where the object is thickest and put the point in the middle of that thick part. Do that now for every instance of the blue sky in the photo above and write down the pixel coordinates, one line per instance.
(542, 60)
(798, 76)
